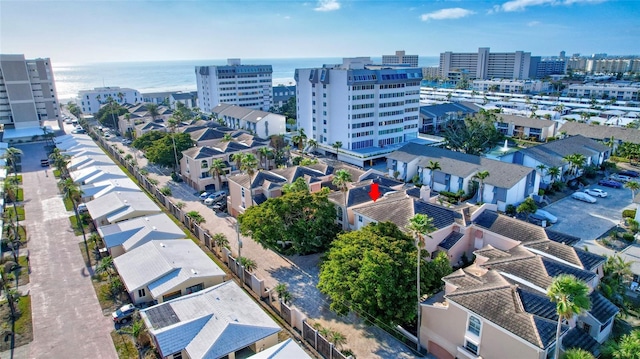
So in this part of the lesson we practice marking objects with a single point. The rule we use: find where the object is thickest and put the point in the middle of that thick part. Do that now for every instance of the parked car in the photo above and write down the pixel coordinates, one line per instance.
(215, 197)
(79, 130)
(536, 219)
(123, 314)
(620, 178)
(547, 216)
(220, 206)
(204, 195)
(610, 183)
(82, 208)
(629, 173)
(596, 192)
(581, 196)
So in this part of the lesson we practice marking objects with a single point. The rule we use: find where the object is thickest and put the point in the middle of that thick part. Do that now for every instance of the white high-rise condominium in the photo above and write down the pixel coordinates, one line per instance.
(27, 92)
(370, 109)
(234, 84)
(483, 65)
(400, 58)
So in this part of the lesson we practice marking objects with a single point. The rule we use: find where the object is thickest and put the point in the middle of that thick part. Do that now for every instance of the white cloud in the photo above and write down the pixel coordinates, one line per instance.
(521, 5)
(287, 17)
(533, 23)
(327, 5)
(445, 14)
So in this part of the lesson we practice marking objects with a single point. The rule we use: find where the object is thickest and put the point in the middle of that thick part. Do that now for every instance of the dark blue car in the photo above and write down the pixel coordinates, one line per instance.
(629, 173)
(610, 183)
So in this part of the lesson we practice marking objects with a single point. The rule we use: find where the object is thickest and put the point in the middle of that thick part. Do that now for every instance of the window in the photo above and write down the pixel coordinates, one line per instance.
(474, 326)
(141, 293)
(204, 164)
(195, 288)
(339, 215)
(471, 347)
(177, 355)
(360, 219)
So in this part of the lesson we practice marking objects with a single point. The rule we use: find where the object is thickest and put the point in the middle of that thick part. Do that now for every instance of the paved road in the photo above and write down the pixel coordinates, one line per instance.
(67, 319)
(589, 221)
(300, 273)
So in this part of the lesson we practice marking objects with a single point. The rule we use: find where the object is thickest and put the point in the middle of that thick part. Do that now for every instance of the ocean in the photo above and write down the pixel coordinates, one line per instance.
(160, 76)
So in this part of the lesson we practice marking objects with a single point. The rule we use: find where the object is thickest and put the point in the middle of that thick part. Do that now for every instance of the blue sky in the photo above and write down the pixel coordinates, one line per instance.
(83, 31)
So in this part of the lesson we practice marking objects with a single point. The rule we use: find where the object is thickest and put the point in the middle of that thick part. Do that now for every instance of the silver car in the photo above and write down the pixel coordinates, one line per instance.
(581, 196)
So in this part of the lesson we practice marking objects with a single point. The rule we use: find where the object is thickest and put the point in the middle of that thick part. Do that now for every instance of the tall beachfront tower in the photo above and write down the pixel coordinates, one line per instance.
(234, 84)
(483, 65)
(371, 109)
(400, 58)
(27, 92)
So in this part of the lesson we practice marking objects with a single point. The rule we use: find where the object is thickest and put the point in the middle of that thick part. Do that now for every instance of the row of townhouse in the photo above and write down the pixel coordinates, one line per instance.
(507, 183)
(195, 312)
(497, 306)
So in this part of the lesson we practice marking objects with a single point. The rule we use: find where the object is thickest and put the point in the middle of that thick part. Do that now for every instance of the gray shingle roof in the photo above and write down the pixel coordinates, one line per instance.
(578, 338)
(440, 110)
(551, 153)
(601, 308)
(451, 240)
(599, 132)
(561, 237)
(510, 227)
(501, 174)
(525, 121)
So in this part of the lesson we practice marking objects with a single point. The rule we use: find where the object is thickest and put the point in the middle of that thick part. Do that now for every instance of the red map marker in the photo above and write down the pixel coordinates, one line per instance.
(374, 193)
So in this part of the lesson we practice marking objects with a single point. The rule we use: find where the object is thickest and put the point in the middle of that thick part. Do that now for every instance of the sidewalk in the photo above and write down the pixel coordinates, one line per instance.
(67, 319)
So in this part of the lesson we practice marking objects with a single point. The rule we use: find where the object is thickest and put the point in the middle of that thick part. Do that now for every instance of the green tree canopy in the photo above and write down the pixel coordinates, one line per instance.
(108, 114)
(145, 141)
(372, 271)
(473, 135)
(161, 151)
(627, 347)
(298, 222)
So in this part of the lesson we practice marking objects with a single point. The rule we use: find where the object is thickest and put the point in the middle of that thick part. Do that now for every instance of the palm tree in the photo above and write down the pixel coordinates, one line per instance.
(173, 124)
(248, 264)
(634, 187)
(542, 167)
(313, 145)
(60, 162)
(237, 158)
(300, 139)
(576, 161)
(577, 353)
(432, 167)
(73, 192)
(218, 169)
(136, 330)
(571, 296)
(341, 179)
(338, 339)
(337, 145)
(419, 226)
(12, 155)
(264, 153)
(152, 109)
(105, 265)
(554, 172)
(249, 165)
(280, 289)
(220, 240)
(481, 176)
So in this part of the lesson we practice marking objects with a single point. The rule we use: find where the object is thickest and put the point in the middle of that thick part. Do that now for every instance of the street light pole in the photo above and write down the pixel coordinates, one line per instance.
(418, 291)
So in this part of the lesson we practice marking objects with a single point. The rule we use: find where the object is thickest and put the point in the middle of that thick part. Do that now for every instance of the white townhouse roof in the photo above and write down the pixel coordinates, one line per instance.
(210, 323)
(93, 174)
(135, 232)
(78, 162)
(99, 189)
(163, 265)
(118, 206)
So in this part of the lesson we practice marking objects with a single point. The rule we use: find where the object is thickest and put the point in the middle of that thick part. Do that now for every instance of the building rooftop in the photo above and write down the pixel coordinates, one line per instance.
(208, 324)
(138, 231)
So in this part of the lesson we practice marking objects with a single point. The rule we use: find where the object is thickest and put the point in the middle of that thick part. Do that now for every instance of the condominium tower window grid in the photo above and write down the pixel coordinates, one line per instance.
(362, 105)
(27, 92)
(241, 85)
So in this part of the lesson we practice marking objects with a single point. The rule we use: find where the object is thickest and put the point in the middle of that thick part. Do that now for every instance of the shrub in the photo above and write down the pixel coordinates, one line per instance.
(153, 181)
(558, 186)
(629, 213)
(510, 210)
(540, 192)
(144, 171)
(165, 191)
(610, 166)
(628, 237)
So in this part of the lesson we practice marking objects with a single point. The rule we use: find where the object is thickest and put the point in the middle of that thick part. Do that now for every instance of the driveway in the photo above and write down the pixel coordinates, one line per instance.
(589, 221)
(300, 273)
(67, 319)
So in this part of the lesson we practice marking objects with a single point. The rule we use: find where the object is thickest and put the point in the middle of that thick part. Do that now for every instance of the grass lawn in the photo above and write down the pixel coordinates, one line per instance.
(15, 179)
(23, 326)
(9, 211)
(20, 195)
(21, 230)
(56, 173)
(22, 272)
(74, 225)
(124, 345)
(68, 205)
(101, 286)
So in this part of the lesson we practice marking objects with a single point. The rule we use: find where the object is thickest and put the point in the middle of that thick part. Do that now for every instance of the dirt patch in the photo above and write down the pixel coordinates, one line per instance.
(23, 325)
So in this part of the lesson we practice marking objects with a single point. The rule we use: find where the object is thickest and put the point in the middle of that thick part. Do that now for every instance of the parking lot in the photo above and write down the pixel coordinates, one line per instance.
(590, 220)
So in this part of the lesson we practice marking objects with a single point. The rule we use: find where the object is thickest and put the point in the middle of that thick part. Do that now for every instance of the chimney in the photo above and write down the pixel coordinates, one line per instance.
(425, 193)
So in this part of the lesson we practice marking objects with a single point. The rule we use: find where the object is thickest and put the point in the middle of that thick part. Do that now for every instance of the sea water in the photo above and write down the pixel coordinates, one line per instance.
(161, 76)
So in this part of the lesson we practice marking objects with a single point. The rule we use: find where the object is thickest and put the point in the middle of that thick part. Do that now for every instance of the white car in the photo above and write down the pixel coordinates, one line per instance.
(215, 197)
(620, 178)
(581, 196)
(596, 192)
(546, 215)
